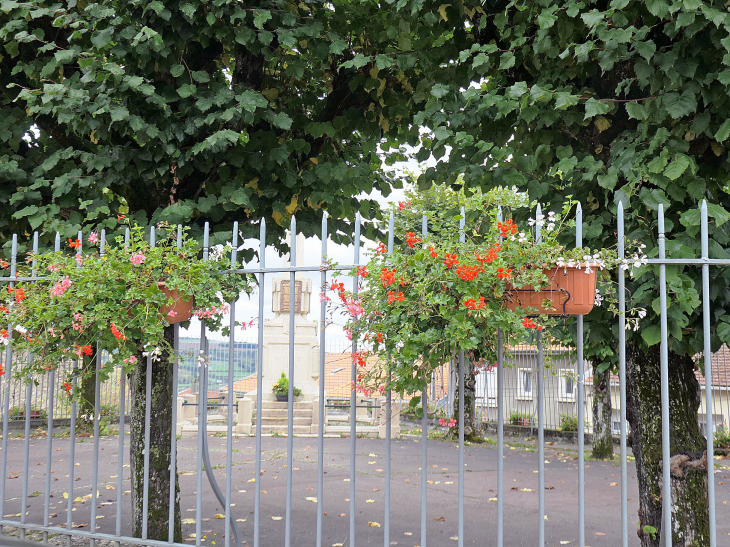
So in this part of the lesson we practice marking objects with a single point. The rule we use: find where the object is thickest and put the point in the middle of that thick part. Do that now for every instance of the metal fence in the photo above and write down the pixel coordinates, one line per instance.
(117, 528)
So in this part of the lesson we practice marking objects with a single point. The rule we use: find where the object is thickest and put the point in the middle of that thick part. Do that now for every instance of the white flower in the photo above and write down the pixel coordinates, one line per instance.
(560, 262)
(550, 226)
(21, 329)
(531, 222)
(588, 269)
(522, 238)
(641, 313)
(551, 216)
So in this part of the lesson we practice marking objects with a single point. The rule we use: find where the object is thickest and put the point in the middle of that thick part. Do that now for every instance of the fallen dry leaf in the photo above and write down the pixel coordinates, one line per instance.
(220, 516)
(374, 524)
(312, 499)
(549, 487)
(369, 501)
(276, 518)
(440, 519)
(613, 484)
(188, 521)
(110, 487)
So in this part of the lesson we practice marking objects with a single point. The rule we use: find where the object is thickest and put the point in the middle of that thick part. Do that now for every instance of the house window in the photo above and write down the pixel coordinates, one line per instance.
(616, 422)
(486, 388)
(524, 377)
(718, 422)
(567, 385)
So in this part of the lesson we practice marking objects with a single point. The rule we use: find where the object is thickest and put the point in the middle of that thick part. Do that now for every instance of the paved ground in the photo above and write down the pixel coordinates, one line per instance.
(521, 498)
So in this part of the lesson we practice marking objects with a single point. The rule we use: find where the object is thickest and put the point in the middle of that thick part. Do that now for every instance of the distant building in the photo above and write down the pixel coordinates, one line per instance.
(244, 361)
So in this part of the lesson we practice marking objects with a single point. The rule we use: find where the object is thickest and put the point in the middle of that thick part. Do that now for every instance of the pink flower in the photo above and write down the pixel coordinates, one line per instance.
(348, 334)
(172, 313)
(137, 259)
(131, 360)
(323, 297)
(93, 238)
(354, 308)
(79, 260)
(61, 287)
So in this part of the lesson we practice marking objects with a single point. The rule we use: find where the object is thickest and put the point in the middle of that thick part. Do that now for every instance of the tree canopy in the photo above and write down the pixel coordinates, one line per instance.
(186, 112)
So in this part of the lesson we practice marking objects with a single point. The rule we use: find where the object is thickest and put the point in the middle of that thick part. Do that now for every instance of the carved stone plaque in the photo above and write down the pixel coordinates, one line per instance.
(284, 297)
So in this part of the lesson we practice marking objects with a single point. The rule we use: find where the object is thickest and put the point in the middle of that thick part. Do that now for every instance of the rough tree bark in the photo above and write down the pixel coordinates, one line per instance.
(687, 447)
(87, 395)
(602, 427)
(161, 428)
(471, 427)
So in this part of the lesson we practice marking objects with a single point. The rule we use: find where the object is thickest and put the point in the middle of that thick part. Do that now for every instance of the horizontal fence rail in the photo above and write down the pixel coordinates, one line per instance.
(534, 389)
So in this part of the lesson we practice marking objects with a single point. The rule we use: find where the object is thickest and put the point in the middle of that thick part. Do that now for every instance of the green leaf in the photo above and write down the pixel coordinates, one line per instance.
(652, 335)
(660, 8)
(102, 38)
(675, 169)
(156, 6)
(680, 105)
(517, 90)
(261, 17)
(64, 56)
(563, 100)
(186, 90)
(201, 76)
(592, 18)
(724, 77)
(251, 100)
(594, 108)
(723, 131)
(282, 121)
(440, 90)
(637, 111)
(119, 113)
(717, 212)
(507, 61)
(645, 49)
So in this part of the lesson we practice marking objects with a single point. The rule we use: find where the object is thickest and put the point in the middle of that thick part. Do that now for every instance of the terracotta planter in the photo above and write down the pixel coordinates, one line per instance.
(183, 308)
(571, 292)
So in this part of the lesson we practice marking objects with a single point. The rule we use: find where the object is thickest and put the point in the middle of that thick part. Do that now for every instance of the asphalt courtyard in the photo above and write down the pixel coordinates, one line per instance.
(602, 486)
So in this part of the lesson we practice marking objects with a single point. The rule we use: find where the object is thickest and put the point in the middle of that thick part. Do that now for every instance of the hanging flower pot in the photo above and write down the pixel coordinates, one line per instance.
(181, 309)
(571, 291)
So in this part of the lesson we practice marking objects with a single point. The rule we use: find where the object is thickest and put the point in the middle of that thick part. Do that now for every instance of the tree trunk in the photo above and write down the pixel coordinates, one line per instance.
(471, 427)
(690, 519)
(602, 427)
(161, 429)
(87, 394)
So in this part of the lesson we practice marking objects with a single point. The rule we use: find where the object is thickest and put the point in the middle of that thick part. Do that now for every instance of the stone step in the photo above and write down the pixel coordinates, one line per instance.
(284, 412)
(284, 404)
(266, 420)
(282, 429)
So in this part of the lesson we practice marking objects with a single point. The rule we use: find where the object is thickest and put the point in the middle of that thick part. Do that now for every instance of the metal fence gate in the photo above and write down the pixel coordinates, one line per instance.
(246, 522)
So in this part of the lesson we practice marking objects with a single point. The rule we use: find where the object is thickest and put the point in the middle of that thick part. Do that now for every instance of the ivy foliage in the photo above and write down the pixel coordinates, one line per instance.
(191, 111)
